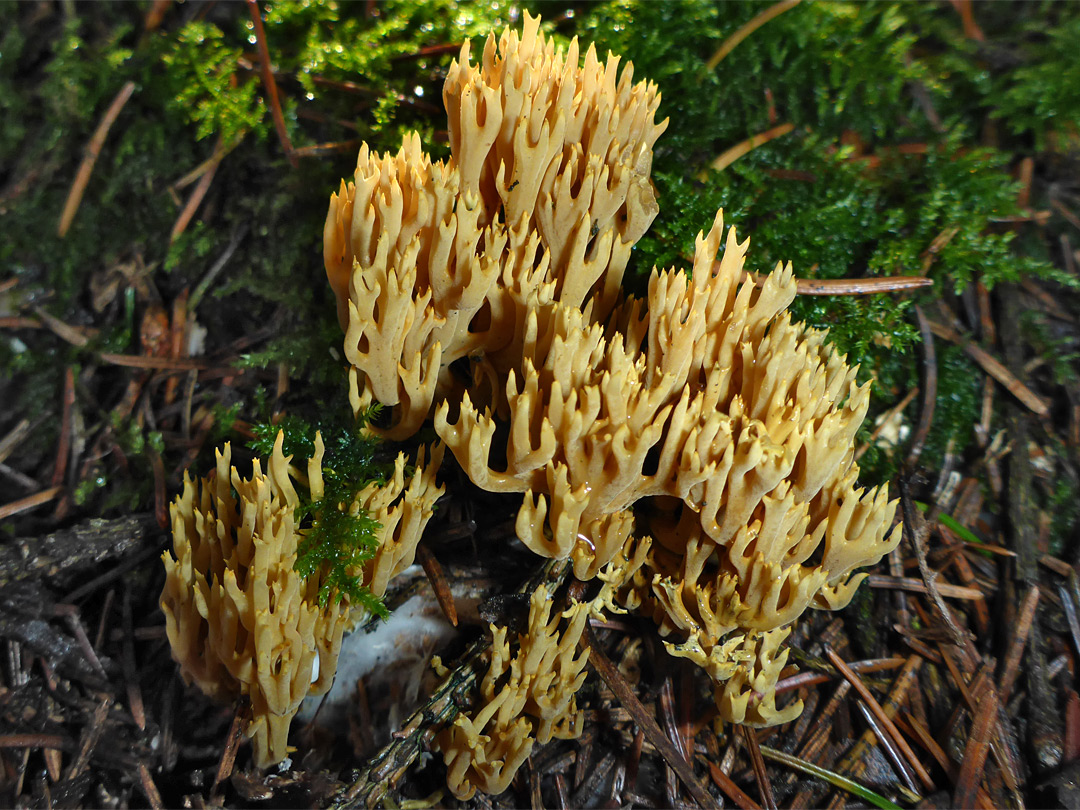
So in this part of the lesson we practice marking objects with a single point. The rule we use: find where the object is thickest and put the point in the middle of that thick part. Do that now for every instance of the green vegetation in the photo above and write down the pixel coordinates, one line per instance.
(334, 540)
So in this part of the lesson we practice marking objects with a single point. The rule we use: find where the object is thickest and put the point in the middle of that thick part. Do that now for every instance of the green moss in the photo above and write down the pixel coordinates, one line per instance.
(202, 74)
(334, 540)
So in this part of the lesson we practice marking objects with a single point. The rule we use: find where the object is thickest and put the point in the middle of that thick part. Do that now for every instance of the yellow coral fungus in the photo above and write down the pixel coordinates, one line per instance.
(546, 192)
(701, 419)
(529, 697)
(240, 619)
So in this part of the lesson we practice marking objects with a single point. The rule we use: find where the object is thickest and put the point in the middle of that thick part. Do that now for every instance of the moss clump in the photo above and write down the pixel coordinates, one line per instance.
(334, 540)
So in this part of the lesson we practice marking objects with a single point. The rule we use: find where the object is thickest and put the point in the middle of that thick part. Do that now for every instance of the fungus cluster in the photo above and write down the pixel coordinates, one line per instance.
(485, 291)
(530, 697)
(240, 619)
(692, 449)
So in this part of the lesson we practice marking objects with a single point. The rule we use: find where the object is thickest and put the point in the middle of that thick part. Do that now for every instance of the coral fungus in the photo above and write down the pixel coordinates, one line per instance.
(701, 418)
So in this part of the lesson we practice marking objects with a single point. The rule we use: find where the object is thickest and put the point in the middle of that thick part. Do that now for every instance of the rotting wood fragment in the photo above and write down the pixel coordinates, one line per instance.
(64, 555)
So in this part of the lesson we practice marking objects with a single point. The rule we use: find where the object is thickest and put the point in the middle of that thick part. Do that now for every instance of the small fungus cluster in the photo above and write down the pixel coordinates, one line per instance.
(693, 449)
(239, 618)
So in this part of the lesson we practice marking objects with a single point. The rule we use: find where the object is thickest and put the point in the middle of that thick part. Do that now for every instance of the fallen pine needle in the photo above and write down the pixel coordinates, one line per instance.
(93, 149)
(758, 763)
(220, 151)
(443, 594)
(813, 678)
(993, 367)
(918, 586)
(729, 156)
(625, 695)
(71, 334)
(852, 286)
(1019, 641)
(13, 439)
(228, 753)
(195, 199)
(63, 450)
(834, 779)
(330, 148)
(19, 322)
(29, 502)
(149, 788)
(747, 29)
(978, 745)
(860, 286)
(145, 361)
(736, 793)
(269, 84)
(883, 718)
(1065, 212)
(32, 740)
